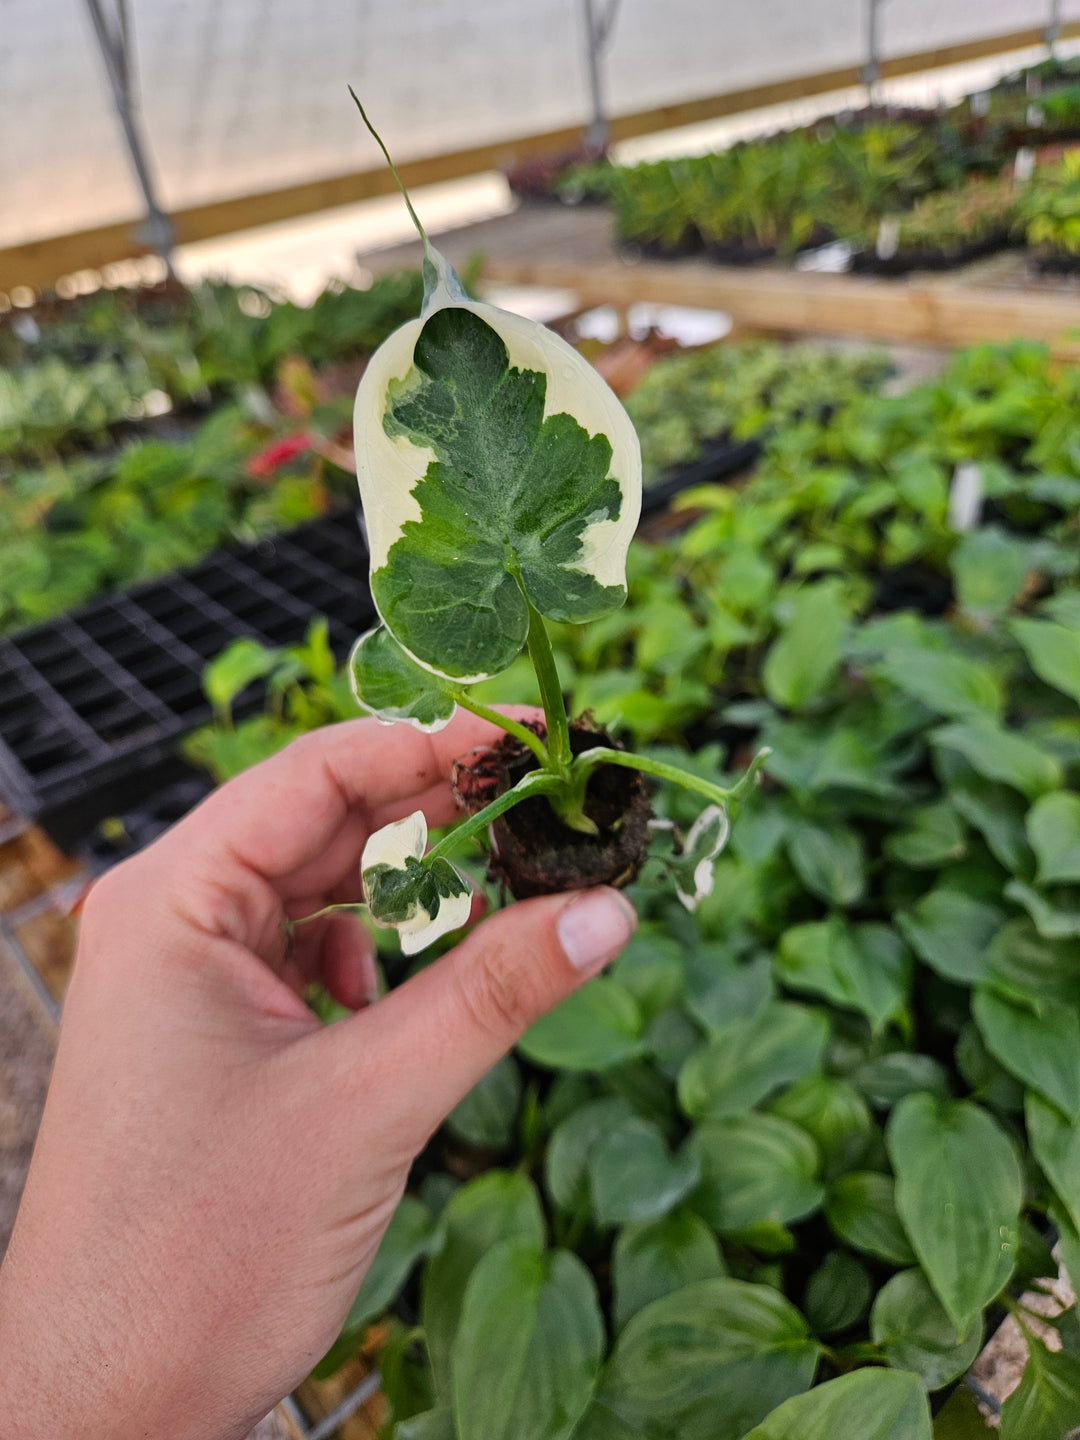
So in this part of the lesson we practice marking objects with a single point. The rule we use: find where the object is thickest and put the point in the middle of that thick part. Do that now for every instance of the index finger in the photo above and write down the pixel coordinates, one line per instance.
(288, 811)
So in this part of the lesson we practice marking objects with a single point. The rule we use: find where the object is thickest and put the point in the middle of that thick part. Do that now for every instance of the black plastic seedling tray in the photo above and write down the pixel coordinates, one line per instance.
(92, 704)
(721, 460)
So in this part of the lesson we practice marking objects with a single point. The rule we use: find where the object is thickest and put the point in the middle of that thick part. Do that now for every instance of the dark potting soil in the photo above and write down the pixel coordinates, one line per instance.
(533, 852)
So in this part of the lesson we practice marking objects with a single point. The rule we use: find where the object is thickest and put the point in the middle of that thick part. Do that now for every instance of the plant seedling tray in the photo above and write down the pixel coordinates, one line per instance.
(92, 703)
(721, 460)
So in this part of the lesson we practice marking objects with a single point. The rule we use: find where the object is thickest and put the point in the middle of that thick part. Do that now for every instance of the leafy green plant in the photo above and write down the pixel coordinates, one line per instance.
(804, 1141)
(501, 481)
(1050, 207)
(947, 221)
(739, 392)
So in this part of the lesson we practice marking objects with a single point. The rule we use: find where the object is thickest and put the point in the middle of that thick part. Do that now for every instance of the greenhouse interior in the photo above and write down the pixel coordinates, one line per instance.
(757, 330)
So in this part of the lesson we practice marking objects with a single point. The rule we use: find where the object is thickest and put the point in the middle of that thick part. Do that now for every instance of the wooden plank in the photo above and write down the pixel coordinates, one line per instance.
(38, 263)
(918, 310)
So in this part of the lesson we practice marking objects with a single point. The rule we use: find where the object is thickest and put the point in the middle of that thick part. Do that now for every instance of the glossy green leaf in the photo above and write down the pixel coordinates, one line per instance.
(998, 813)
(837, 1294)
(431, 1425)
(1046, 1403)
(861, 1210)
(635, 1177)
(1053, 651)
(886, 1079)
(390, 685)
(1030, 969)
(1000, 754)
(801, 664)
(707, 1362)
(1055, 1143)
(1041, 1050)
(945, 682)
(864, 967)
(566, 1162)
(528, 1349)
(498, 1206)
(834, 1115)
(752, 1058)
(651, 1260)
(828, 859)
(933, 835)
(756, 1170)
(870, 1404)
(596, 1027)
(961, 1419)
(652, 969)
(952, 933)
(1050, 920)
(487, 1117)
(721, 991)
(489, 480)
(911, 1326)
(1053, 827)
(989, 568)
(234, 669)
(958, 1193)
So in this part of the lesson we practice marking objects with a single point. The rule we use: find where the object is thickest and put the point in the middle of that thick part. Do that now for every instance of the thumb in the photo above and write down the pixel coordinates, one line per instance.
(450, 1024)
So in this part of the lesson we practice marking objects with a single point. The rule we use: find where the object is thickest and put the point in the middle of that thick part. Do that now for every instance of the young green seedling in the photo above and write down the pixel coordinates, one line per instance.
(501, 484)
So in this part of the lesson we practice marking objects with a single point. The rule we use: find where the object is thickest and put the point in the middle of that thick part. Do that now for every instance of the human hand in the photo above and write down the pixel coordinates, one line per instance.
(215, 1169)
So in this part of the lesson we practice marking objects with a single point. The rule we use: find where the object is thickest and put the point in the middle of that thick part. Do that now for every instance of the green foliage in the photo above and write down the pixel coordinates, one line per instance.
(865, 1037)
(101, 486)
(739, 391)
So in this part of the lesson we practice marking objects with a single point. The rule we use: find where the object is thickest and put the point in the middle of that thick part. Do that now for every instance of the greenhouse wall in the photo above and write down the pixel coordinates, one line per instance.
(242, 96)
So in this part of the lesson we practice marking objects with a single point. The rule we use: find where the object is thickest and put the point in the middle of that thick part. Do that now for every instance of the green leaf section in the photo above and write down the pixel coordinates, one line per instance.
(958, 1193)
(750, 1059)
(527, 1352)
(872, 1404)
(653, 1259)
(597, 1027)
(864, 967)
(758, 1173)
(1046, 1403)
(504, 506)
(499, 1206)
(910, 1324)
(391, 686)
(706, 1362)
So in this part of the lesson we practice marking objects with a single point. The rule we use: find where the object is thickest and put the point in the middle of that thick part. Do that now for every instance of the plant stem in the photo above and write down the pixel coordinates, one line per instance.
(558, 727)
(588, 760)
(512, 727)
(537, 782)
(353, 909)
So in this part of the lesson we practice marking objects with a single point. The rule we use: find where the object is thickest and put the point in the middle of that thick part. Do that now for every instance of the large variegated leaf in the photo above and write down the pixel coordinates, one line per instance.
(388, 683)
(495, 466)
(420, 898)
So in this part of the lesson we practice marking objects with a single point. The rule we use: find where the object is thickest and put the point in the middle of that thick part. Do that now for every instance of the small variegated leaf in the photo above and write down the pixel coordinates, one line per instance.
(392, 686)
(495, 466)
(420, 898)
(693, 871)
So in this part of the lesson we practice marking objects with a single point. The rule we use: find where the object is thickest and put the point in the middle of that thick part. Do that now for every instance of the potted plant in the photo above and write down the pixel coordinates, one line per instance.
(501, 483)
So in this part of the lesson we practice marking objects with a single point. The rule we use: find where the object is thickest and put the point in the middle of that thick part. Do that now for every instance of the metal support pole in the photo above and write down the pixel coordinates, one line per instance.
(598, 27)
(157, 229)
(1052, 33)
(872, 69)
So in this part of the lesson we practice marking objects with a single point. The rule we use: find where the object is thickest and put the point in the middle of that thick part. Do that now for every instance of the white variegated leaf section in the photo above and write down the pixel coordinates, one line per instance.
(705, 840)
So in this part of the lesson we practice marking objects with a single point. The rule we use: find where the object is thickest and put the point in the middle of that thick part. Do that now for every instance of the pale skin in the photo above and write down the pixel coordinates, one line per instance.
(215, 1169)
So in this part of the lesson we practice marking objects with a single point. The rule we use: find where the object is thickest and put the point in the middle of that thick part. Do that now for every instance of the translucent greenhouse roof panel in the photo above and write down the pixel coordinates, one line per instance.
(246, 96)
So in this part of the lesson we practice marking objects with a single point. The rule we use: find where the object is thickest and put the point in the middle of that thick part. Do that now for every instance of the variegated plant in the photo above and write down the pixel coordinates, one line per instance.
(501, 485)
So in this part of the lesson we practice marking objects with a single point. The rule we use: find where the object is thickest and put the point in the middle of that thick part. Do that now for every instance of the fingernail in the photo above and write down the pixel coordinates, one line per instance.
(593, 929)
